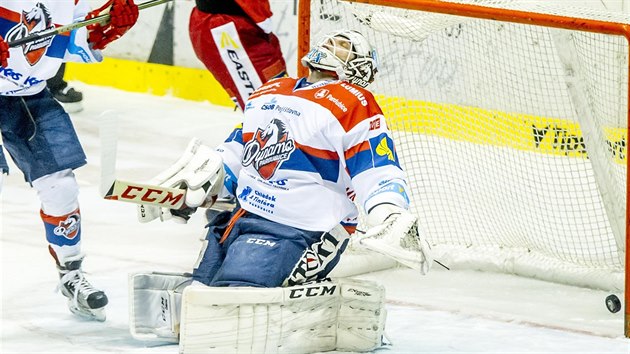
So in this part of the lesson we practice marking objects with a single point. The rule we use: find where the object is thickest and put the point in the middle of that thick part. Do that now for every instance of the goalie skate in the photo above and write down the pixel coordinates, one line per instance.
(83, 299)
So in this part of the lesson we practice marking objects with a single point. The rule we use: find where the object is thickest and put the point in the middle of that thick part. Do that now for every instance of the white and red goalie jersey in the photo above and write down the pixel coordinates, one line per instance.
(31, 64)
(305, 152)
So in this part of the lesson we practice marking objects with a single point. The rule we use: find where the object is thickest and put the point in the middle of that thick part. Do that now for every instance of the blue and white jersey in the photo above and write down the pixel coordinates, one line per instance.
(305, 152)
(31, 64)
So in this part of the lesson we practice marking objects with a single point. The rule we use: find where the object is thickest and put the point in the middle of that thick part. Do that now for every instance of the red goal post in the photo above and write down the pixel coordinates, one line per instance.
(477, 11)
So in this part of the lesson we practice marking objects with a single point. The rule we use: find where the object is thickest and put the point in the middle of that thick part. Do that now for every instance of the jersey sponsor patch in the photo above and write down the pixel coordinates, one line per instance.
(325, 94)
(375, 124)
(383, 152)
(259, 200)
(375, 152)
(390, 187)
(236, 59)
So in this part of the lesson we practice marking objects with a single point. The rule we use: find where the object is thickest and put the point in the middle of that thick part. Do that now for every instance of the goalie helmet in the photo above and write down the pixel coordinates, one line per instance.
(346, 53)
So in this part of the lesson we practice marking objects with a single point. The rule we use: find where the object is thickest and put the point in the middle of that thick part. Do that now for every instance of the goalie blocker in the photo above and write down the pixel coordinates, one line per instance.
(343, 315)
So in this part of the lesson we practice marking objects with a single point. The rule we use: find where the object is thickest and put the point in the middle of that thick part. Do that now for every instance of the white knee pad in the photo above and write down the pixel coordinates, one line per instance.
(58, 192)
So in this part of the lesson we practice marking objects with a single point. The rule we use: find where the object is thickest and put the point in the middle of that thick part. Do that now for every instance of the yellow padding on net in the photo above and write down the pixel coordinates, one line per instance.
(553, 136)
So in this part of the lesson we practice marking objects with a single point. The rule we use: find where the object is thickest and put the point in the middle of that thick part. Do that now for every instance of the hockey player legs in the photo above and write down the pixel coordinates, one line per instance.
(4, 166)
(46, 149)
(38, 133)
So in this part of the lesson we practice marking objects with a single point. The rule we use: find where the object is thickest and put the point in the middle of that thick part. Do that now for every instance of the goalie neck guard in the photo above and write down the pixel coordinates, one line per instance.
(346, 53)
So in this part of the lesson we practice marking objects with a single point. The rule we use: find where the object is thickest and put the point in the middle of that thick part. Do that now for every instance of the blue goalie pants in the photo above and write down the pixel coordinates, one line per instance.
(262, 253)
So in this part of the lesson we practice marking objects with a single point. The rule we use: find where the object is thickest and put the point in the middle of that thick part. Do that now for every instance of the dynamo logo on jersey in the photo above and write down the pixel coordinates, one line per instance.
(35, 20)
(268, 149)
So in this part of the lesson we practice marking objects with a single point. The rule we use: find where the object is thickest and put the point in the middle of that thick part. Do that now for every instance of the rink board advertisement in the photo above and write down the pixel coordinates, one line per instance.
(156, 56)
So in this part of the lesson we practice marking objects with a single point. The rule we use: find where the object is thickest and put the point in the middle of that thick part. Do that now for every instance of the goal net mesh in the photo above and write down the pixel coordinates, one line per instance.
(513, 136)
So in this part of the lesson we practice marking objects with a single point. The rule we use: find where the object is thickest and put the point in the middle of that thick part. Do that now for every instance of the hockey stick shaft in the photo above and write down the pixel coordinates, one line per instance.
(108, 133)
(67, 28)
(115, 189)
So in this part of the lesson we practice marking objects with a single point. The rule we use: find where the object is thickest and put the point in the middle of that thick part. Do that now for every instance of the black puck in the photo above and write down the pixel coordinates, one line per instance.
(613, 304)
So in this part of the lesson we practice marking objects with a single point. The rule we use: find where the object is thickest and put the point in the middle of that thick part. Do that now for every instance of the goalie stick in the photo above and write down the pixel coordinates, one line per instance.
(149, 193)
(67, 28)
(139, 193)
(114, 189)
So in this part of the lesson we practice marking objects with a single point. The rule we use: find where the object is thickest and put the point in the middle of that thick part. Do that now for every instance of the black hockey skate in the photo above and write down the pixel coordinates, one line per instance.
(70, 99)
(83, 299)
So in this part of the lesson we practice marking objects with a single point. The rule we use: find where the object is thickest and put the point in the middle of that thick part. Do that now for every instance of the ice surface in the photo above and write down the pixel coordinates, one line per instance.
(443, 312)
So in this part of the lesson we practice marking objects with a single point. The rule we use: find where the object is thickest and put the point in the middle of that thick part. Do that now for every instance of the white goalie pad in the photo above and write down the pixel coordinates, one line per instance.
(343, 315)
(154, 305)
(199, 171)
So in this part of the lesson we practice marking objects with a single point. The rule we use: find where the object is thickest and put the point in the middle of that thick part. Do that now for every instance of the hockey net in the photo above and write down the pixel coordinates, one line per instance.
(513, 133)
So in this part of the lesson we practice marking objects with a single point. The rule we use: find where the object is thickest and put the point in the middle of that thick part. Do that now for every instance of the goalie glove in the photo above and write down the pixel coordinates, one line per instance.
(394, 233)
(200, 172)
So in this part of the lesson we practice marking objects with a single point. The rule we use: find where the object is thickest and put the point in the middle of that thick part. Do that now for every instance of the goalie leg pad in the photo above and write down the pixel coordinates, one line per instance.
(362, 315)
(154, 305)
(344, 315)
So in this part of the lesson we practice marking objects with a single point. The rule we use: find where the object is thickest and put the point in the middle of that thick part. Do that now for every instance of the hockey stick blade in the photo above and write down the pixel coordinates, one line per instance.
(67, 28)
(139, 193)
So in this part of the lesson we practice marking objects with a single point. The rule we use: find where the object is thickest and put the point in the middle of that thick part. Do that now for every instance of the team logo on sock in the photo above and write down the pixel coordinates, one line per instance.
(268, 149)
(68, 228)
(35, 20)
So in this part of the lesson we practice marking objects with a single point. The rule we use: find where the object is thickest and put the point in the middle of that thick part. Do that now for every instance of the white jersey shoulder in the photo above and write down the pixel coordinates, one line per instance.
(31, 64)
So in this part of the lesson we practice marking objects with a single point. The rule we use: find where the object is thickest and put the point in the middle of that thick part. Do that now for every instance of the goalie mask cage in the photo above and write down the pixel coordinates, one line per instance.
(510, 119)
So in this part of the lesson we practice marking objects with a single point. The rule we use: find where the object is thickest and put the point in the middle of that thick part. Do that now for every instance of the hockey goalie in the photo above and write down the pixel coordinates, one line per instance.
(308, 151)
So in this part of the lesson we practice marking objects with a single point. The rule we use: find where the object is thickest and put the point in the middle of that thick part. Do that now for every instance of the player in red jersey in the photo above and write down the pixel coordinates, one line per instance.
(233, 39)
